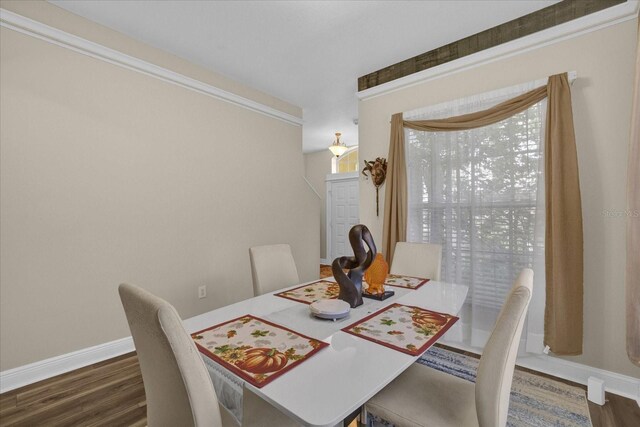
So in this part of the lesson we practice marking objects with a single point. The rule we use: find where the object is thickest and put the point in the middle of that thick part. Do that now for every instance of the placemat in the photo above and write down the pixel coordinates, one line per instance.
(407, 282)
(405, 328)
(307, 294)
(255, 349)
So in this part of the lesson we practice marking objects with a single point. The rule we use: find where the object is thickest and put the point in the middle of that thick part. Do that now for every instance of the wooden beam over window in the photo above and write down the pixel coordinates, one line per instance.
(539, 20)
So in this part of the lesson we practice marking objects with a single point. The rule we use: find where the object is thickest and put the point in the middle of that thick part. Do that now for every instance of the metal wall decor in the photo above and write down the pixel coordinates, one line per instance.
(378, 171)
(351, 283)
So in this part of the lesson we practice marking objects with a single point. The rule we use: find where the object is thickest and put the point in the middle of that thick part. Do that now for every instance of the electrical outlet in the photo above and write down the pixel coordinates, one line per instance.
(202, 291)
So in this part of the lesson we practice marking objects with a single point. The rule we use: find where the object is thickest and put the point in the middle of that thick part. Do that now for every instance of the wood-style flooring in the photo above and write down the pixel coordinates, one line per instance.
(108, 393)
(111, 393)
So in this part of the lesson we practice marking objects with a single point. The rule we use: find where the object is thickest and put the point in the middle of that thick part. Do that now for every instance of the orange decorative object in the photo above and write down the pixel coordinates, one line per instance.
(421, 318)
(376, 275)
(263, 360)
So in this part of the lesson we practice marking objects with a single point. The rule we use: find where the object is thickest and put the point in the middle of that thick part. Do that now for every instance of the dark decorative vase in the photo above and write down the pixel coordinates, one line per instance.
(351, 283)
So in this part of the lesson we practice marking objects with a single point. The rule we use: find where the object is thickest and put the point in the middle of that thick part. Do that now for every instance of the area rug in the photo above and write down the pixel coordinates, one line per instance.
(535, 400)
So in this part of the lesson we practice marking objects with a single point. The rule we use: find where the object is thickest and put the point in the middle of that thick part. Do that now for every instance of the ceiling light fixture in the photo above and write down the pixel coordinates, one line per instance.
(338, 148)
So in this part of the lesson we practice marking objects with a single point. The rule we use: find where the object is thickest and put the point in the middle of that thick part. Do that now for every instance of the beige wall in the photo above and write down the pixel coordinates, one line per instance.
(110, 176)
(604, 61)
(317, 166)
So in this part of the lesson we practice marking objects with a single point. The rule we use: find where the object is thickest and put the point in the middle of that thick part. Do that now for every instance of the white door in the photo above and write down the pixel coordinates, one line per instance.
(342, 213)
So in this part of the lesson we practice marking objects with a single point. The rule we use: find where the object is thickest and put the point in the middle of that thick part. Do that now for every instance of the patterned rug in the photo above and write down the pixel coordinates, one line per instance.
(535, 400)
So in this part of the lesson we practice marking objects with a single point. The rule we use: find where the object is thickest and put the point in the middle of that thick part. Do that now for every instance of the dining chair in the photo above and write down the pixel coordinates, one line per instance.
(177, 385)
(272, 268)
(423, 396)
(417, 259)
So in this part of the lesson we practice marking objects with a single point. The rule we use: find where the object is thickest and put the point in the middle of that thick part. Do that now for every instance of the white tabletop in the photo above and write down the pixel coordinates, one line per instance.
(336, 381)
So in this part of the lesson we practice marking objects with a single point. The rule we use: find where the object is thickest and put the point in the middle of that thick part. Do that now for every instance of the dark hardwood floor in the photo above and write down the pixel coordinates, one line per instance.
(617, 412)
(108, 393)
(111, 393)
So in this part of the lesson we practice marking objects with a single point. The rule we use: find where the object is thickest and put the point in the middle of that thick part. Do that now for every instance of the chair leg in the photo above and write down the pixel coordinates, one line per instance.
(364, 415)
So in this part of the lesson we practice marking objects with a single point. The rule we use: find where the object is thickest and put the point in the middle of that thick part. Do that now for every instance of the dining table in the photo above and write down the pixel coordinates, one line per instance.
(348, 370)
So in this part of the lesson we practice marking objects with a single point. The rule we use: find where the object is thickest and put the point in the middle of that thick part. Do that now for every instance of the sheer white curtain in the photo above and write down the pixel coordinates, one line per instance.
(480, 194)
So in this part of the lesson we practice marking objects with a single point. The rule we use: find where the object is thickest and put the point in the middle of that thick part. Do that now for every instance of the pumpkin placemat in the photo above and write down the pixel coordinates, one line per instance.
(406, 282)
(405, 328)
(256, 350)
(307, 294)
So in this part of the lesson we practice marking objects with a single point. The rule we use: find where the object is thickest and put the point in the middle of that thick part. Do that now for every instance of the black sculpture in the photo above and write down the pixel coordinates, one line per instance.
(351, 283)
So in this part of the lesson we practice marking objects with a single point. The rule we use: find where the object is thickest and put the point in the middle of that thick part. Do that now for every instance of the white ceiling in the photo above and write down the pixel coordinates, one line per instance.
(309, 53)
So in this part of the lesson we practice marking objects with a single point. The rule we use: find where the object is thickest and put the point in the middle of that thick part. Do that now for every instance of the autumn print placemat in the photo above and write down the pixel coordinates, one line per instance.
(407, 282)
(254, 349)
(405, 328)
(322, 289)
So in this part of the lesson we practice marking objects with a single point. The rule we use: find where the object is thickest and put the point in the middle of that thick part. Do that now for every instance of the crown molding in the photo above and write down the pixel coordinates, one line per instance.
(578, 27)
(69, 41)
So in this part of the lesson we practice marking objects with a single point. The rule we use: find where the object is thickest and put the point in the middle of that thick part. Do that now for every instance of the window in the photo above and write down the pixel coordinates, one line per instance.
(478, 193)
(348, 162)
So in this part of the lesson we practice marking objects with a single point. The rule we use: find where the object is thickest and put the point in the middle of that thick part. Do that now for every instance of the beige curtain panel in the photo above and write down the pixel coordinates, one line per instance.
(633, 225)
(563, 227)
(563, 241)
(395, 197)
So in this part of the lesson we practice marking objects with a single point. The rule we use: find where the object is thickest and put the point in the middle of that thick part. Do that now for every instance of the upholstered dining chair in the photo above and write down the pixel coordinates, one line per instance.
(417, 259)
(423, 396)
(178, 388)
(272, 268)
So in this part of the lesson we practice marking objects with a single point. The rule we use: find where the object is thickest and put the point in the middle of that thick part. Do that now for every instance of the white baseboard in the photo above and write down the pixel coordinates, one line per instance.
(38, 371)
(622, 385)
(325, 261)
(11, 379)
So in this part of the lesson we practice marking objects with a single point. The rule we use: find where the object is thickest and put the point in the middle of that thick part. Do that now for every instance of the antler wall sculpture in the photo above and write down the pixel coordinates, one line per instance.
(378, 170)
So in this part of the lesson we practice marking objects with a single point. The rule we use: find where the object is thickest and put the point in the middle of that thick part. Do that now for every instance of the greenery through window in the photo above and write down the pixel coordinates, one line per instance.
(476, 193)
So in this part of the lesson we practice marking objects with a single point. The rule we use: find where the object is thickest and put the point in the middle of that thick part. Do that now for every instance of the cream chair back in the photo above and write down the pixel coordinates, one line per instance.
(272, 268)
(177, 385)
(495, 372)
(417, 259)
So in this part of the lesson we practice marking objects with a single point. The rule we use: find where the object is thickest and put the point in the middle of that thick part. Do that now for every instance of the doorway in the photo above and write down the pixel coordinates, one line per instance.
(342, 212)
